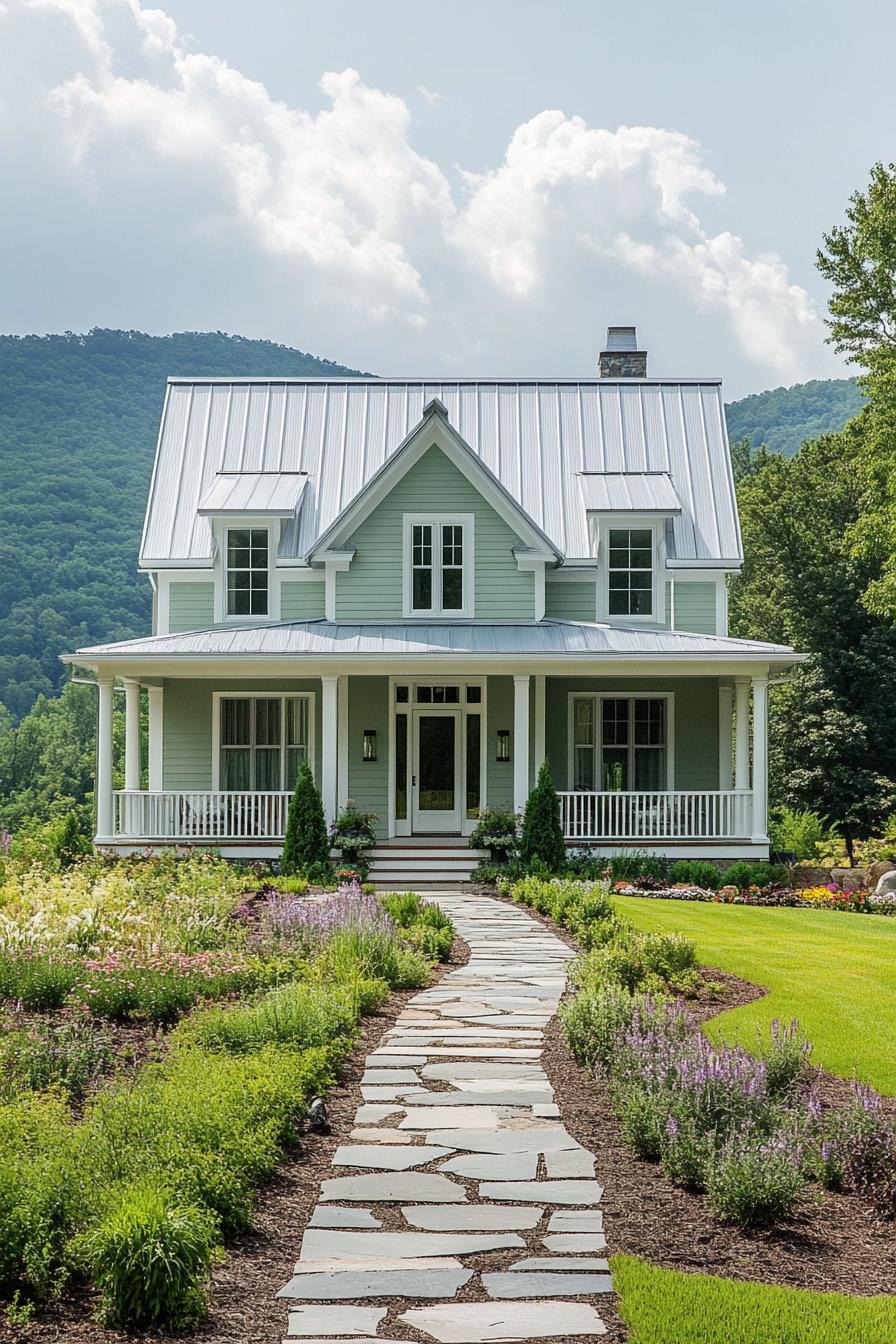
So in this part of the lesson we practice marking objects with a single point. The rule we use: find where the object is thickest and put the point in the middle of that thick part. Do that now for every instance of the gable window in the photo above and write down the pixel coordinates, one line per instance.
(630, 571)
(263, 741)
(619, 743)
(247, 571)
(438, 566)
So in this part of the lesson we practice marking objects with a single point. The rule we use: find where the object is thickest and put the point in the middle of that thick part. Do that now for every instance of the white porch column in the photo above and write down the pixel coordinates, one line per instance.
(760, 758)
(328, 746)
(155, 704)
(132, 772)
(742, 731)
(520, 742)
(342, 741)
(539, 723)
(726, 712)
(103, 786)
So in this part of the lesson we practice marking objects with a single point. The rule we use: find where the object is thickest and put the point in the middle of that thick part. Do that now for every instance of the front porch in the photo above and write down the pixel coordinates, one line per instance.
(682, 759)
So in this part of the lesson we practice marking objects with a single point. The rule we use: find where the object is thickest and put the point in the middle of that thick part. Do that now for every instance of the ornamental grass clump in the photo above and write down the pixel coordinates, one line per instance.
(150, 1257)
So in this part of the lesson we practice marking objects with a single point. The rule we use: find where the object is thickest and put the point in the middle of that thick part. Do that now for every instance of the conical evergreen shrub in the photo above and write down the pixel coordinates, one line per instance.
(307, 845)
(542, 837)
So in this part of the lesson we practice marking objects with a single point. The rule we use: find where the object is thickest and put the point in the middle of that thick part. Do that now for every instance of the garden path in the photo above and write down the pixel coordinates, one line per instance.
(459, 1205)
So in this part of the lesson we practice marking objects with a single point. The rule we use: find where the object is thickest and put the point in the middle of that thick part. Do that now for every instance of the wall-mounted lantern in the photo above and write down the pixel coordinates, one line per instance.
(502, 747)
(368, 750)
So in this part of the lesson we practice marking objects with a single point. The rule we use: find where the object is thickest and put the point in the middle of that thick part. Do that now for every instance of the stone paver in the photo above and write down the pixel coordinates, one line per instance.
(458, 1083)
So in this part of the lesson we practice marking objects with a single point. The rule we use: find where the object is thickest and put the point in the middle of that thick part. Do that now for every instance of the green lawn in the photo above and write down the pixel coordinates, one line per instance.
(835, 972)
(664, 1306)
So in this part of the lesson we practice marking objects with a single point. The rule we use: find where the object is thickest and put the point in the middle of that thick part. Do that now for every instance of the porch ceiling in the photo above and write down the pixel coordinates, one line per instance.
(549, 641)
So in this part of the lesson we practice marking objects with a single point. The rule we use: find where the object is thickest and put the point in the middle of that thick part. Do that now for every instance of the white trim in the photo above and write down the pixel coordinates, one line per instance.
(742, 730)
(334, 562)
(722, 604)
(520, 742)
(539, 722)
(467, 521)
(329, 770)
(342, 689)
(632, 522)
(103, 785)
(621, 694)
(282, 696)
(526, 561)
(220, 528)
(155, 698)
(726, 726)
(760, 760)
(132, 763)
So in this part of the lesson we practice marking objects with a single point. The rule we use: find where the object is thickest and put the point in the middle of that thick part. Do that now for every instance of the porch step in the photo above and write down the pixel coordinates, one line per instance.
(407, 864)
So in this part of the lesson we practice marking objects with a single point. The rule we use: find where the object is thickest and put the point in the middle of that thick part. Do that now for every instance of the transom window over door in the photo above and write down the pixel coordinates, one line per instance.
(439, 566)
(619, 743)
(247, 571)
(263, 741)
(630, 571)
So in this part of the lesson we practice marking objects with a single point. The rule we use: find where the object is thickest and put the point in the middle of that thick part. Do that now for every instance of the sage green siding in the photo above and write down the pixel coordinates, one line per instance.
(187, 726)
(372, 587)
(368, 781)
(695, 723)
(499, 714)
(191, 606)
(695, 607)
(301, 599)
(572, 600)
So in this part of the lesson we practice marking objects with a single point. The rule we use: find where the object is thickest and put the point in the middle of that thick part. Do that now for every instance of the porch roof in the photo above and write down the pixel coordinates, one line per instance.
(403, 639)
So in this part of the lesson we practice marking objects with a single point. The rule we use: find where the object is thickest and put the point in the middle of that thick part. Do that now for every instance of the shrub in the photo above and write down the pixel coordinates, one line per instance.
(786, 1057)
(696, 873)
(754, 1180)
(632, 863)
(150, 1257)
(593, 1019)
(541, 839)
(743, 875)
(296, 1015)
(306, 846)
(685, 1151)
(798, 832)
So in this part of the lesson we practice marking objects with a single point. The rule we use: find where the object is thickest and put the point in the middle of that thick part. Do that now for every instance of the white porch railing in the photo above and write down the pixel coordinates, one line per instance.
(706, 815)
(201, 815)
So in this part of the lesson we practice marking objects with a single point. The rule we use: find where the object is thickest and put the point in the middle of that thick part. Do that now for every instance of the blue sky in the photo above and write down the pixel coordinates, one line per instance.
(477, 188)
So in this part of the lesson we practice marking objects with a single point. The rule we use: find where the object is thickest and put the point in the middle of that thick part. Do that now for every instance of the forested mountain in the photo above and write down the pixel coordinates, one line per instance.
(786, 417)
(78, 422)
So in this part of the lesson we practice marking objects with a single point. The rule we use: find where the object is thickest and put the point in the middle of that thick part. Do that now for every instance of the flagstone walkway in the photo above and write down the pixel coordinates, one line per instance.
(459, 1205)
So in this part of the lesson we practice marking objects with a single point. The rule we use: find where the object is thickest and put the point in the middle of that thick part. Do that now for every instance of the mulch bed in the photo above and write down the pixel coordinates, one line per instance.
(836, 1243)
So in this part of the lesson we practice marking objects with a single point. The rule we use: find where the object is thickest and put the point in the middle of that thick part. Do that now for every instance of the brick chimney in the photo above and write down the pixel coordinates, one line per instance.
(622, 358)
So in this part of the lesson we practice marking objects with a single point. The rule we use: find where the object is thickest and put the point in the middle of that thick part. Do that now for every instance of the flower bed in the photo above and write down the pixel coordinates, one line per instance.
(828, 897)
(137, 1193)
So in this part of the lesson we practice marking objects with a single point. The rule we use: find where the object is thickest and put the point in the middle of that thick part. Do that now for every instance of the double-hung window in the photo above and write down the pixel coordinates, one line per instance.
(438, 566)
(263, 741)
(630, 571)
(619, 743)
(247, 571)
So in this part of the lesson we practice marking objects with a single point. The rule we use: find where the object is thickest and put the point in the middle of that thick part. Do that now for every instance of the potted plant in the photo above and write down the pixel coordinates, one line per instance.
(496, 831)
(354, 834)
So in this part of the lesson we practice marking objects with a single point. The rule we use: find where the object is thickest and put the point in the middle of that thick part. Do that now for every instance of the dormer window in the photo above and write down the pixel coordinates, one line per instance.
(247, 571)
(438, 575)
(630, 571)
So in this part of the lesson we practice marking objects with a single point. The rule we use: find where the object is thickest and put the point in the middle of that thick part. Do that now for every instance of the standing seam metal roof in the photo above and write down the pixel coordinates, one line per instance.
(536, 436)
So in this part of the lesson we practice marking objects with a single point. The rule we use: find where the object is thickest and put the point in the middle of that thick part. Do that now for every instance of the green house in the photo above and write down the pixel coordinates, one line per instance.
(427, 587)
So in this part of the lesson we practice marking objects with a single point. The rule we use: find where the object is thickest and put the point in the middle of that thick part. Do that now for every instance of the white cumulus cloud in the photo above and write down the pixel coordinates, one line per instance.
(365, 228)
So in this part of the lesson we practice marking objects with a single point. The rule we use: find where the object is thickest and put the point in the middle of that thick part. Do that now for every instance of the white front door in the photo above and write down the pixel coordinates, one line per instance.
(436, 775)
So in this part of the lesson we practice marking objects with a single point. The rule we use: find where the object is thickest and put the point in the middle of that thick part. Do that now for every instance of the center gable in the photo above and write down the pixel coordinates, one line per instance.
(373, 587)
